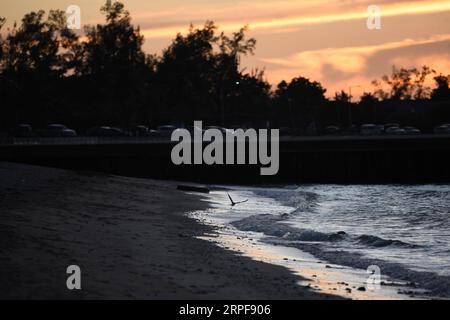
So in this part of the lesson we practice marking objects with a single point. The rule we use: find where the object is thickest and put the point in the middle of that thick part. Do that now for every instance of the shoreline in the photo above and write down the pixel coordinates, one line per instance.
(131, 237)
(321, 275)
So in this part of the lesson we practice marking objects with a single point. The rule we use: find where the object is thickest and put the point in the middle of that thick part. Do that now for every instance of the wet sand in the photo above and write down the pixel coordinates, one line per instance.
(130, 237)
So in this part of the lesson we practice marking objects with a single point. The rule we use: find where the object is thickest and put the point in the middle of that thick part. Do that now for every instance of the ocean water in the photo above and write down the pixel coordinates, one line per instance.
(404, 230)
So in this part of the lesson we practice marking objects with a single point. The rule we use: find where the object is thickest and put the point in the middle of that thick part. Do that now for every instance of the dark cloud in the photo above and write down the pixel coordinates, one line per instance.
(382, 60)
(331, 73)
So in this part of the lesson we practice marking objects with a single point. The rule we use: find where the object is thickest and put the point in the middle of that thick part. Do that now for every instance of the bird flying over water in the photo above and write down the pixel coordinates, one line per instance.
(235, 203)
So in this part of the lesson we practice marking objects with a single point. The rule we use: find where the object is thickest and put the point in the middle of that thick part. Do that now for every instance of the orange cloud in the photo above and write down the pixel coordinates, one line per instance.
(283, 18)
(338, 68)
(347, 59)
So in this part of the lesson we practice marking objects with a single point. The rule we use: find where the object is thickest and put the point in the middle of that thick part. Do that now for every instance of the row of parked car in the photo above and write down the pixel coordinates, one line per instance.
(59, 130)
(144, 131)
(390, 129)
(52, 130)
(387, 129)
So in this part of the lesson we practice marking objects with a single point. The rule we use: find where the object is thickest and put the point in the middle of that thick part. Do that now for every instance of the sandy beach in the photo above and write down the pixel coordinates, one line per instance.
(130, 237)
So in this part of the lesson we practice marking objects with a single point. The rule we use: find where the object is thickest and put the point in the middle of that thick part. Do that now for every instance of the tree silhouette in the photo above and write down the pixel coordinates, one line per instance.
(369, 107)
(303, 98)
(35, 57)
(442, 90)
(248, 100)
(185, 76)
(198, 74)
(342, 105)
(404, 84)
(113, 67)
(342, 97)
(2, 23)
(229, 78)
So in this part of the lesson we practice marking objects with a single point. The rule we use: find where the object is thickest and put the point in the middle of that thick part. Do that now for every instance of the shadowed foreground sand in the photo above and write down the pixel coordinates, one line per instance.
(129, 236)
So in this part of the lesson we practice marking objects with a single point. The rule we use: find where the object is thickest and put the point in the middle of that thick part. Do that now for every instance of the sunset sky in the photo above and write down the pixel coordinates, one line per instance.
(325, 40)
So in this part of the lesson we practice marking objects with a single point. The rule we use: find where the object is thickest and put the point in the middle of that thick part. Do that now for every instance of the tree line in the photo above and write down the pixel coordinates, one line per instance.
(49, 74)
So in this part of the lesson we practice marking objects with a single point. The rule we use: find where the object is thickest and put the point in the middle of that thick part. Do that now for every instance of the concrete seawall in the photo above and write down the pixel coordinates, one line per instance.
(400, 159)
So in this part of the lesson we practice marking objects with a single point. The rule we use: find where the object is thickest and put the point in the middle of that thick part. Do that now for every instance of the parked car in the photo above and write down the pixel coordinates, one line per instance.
(105, 131)
(152, 133)
(381, 128)
(412, 130)
(332, 130)
(58, 130)
(391, 125)
(442, 129)
(395, 131)
(22, 131)
(370, 130)
(141, 131)
(391, 129)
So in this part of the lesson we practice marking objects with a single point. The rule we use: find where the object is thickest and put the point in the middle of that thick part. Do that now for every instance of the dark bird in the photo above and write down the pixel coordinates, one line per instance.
(235, 203)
